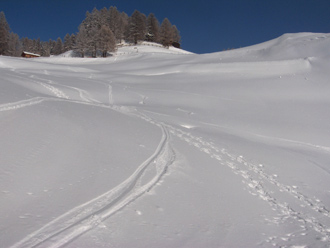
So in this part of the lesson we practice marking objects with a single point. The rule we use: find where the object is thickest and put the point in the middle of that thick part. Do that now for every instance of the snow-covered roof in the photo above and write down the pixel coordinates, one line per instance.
(33, 54)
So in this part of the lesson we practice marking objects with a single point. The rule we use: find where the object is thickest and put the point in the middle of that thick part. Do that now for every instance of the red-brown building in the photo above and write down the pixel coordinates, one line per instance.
(29, 55)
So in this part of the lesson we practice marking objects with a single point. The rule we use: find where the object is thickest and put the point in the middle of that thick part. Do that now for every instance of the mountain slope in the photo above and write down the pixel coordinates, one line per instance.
(158, 149)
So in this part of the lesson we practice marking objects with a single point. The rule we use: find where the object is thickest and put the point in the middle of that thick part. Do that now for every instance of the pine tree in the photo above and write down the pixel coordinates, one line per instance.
(152, 28)
(123, 26)
(143, 26)
(37, 47)
(4, 34)
(46, 48)
(27, 44)
(42, 48)
(81, 41)
(104, 17)
(73, 40)
(166, 33)
(92, 25)
(114, 21)
(176, 34)
(14, 45)
(107, 40)
(58, 49)
(137, 27)
(52, 45)
(67, 45)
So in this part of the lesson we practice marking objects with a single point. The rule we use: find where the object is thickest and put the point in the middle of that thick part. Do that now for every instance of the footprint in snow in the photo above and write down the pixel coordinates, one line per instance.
(138, 212)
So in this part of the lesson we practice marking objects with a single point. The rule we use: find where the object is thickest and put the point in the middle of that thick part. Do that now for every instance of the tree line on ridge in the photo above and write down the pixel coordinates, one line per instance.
(99, 33)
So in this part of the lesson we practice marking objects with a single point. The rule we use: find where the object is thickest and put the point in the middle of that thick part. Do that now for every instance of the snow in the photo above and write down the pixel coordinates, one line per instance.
(132, 49)
(156, 147)
(148, 47)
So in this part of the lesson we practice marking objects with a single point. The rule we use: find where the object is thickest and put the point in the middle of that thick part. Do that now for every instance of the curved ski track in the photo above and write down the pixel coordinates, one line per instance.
(83, 218)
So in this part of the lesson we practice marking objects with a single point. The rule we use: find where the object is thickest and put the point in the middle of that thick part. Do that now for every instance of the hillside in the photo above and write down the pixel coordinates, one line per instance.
(163, 148)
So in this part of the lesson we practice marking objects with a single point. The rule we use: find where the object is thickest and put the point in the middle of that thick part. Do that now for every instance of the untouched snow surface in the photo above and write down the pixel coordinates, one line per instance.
(160, 148)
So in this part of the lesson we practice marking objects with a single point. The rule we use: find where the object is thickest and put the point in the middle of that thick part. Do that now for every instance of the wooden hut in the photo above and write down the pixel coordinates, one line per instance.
(29, 55)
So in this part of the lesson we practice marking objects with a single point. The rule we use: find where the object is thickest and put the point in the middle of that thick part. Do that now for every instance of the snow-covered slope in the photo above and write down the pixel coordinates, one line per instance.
(286, 47)
(156, 149)
(148, 47)
(140, 48)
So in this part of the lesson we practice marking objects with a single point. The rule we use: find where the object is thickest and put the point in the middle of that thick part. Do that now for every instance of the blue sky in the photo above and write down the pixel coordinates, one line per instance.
(205, 26)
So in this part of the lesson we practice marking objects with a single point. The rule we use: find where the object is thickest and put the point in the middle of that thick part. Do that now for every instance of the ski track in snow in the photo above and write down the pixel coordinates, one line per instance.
(245, 169)
(83, 94)
(58, 93)
(21, 104)
(48, 85)
(83, 218)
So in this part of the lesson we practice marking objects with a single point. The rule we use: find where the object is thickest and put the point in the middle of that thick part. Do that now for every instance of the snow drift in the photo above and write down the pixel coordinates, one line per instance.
(155, 147)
